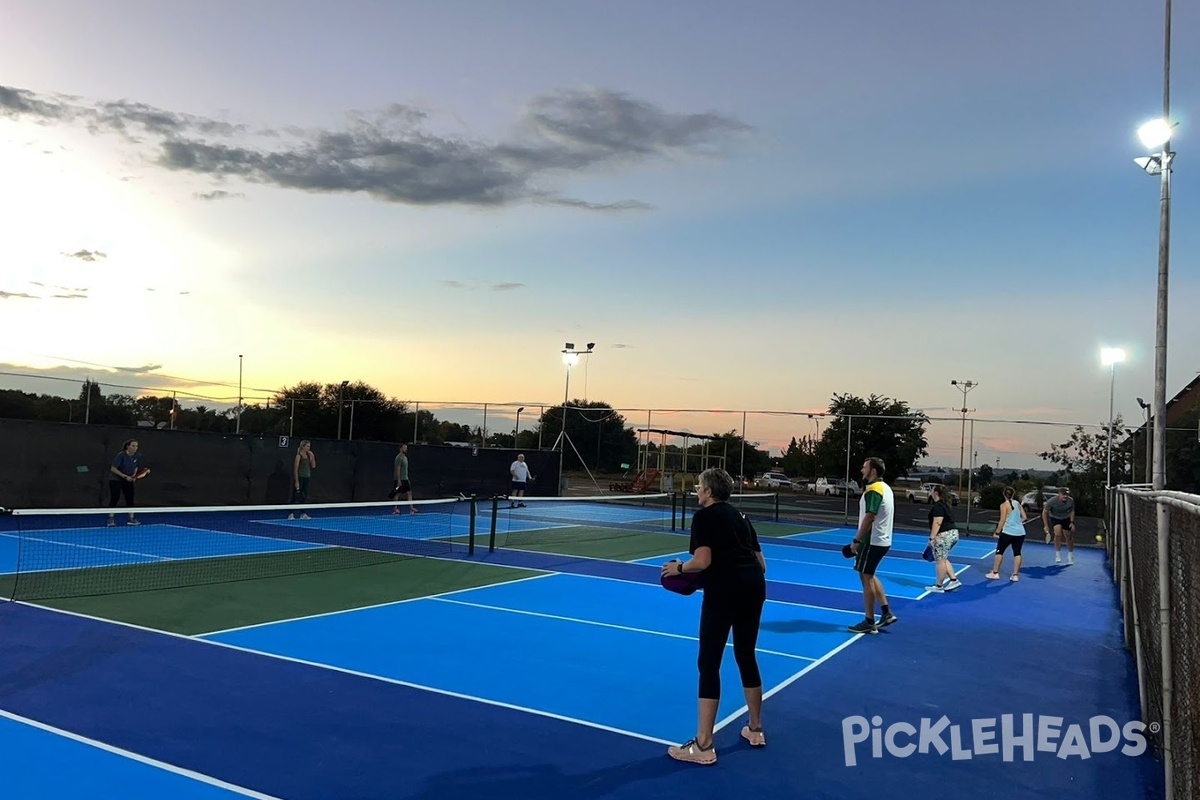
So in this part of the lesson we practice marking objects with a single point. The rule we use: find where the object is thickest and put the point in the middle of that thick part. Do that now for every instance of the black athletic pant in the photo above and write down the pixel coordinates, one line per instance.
(118, 488)
(734, 605)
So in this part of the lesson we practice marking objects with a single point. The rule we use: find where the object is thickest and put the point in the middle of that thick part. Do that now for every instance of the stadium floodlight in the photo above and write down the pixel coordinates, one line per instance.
(1110, 357)
(570, 358)
(1155, 133)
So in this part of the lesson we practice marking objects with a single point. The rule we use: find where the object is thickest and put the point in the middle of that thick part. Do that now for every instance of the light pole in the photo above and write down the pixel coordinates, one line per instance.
(964, 387)
(570, 358)
(1146, 408)
(517, 429)
(341, 389)
(239, 414)
(1110, 357)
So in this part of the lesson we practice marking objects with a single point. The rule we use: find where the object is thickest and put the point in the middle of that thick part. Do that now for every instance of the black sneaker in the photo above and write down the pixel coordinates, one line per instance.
(887, 619)
(865, 626)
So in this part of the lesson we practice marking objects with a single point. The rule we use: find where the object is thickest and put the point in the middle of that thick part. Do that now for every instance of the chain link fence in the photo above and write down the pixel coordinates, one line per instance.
(1154, 556)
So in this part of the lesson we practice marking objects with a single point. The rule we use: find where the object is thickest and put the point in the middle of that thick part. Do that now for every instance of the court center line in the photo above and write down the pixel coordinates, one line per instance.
(357, 674)
(373, 606)
(108, 748)
(599, 624)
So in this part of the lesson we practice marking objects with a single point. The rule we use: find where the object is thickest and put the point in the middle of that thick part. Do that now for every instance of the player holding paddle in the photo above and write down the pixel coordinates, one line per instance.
(124, 473)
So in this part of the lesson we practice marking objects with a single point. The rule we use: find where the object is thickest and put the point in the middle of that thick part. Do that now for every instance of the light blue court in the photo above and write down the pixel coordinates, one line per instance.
(424, 526)
(94, 769)
(902, 578)
(972, 548)
(142, 544)
(610, 654)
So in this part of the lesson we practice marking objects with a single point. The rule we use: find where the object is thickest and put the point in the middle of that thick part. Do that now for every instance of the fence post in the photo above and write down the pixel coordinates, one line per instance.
(1163, 512)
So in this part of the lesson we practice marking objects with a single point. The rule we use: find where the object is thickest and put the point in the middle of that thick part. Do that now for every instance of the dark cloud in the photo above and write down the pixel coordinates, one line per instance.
(393, 156)
(18, 296)
(140, 370)
(217, 194)
(452, 284)
(86, 255)
(620, 346)
(72, 296)
(507, 287)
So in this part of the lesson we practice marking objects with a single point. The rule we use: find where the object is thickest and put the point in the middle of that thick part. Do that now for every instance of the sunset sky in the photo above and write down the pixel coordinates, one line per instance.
(747, 206)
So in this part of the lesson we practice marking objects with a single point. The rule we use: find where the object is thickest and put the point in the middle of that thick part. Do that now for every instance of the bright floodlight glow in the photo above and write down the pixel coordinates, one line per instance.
(570, 358)
(1155, 133)
(1112, 355)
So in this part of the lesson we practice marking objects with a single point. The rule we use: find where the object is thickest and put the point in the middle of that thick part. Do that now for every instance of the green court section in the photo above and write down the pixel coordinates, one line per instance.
(220, 606)
(785, 528)
(612, 544)
(618, 544)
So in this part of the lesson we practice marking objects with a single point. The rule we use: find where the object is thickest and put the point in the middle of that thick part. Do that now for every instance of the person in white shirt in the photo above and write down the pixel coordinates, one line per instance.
(876, 514)
(520, 476)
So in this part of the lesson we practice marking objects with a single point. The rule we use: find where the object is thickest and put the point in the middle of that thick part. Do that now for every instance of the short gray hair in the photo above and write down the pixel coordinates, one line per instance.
(717, 481)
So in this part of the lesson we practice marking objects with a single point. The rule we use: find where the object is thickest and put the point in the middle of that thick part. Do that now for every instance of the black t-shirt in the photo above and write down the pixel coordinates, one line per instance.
(941, 509)
(732, 539)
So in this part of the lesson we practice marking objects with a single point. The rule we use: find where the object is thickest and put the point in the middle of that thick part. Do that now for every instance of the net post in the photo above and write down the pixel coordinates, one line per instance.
(673, 496)
(492, 534)
(471, 535)
(777, 506)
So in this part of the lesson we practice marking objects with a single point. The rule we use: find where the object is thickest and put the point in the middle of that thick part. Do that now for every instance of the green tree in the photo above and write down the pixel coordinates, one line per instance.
(597, 434)
(1084, 457)
(876, 426)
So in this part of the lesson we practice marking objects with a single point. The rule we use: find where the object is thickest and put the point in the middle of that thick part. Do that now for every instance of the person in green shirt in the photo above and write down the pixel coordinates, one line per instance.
(400, 477)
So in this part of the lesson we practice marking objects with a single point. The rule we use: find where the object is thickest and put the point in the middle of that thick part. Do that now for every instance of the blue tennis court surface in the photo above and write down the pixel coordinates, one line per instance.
(568, 682)
(542, 639)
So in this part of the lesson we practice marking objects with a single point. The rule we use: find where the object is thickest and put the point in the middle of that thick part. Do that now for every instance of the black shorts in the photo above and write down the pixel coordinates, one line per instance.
(1065, 523)
(1008, 540)
(400, 488)
(518, 486)
(868, 558)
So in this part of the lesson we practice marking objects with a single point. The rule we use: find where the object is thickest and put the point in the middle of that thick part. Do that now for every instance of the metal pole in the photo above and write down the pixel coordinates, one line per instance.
(341, 387)
(1160, 417)
(970, 473)
(846, 505)
(1108, 469)
(292, 420)
(742, 468)
(239, 414)
(416, 421)
(87, 409)
(483, 430)
(562, 440)
(351, 436)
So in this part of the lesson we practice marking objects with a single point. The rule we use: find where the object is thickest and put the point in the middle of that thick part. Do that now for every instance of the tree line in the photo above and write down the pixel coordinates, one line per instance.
(599, 438)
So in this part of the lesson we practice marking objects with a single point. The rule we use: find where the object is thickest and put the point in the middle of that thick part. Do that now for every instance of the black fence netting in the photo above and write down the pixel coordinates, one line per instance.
(63, 465)
(1136, 567)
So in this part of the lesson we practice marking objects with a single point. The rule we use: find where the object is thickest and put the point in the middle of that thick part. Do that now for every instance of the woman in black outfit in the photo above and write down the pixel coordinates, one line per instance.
(724, 547)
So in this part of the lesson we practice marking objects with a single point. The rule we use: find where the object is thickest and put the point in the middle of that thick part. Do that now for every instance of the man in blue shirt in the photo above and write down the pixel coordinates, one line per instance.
(123, 474)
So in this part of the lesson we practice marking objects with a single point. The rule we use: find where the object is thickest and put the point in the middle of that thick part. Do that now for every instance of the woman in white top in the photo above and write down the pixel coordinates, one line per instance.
(1010, 530)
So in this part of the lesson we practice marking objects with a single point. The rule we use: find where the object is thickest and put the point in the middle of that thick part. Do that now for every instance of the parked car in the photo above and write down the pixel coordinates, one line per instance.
(924, 494)
(1030, 499)
(835, 487)
(774, 480)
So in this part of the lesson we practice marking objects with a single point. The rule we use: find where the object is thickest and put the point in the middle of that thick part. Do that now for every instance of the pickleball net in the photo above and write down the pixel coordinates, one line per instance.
(57, 553)
(562, 524)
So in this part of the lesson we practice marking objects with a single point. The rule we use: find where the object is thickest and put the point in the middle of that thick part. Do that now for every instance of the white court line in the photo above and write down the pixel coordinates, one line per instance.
(651, 585)
(357, 674)
(187, 773)
(375, 605)
(604, 625)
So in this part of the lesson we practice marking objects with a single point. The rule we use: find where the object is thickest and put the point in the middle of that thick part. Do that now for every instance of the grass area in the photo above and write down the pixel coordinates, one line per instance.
(218, 606)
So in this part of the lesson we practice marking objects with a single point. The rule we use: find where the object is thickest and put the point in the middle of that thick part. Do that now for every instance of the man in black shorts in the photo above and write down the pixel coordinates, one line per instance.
(1059, 515)
(876, 515)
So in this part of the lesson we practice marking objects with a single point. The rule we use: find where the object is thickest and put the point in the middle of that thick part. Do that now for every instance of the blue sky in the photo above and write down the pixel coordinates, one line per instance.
(747, 206)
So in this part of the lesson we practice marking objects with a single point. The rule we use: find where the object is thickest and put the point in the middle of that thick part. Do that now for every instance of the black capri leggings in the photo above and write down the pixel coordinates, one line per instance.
(118, 488)
(738, 607)
(1006, 541)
